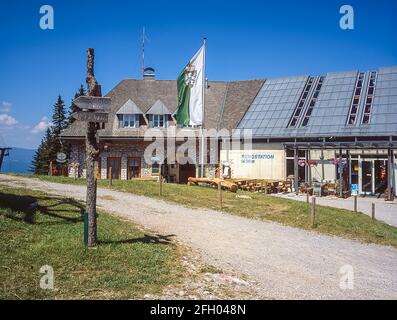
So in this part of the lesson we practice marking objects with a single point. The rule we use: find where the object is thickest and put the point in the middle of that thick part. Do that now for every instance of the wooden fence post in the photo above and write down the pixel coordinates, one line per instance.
(220, 194)
(160, 185)
(355, 203)
(307, 197)
(314, 223)
(110, 176)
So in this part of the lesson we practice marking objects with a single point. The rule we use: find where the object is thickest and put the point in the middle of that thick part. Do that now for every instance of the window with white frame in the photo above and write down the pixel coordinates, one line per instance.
(129, 120)
(158, 121)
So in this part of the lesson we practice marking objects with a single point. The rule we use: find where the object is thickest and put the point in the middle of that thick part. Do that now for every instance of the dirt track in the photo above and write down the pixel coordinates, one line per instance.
(285, 263)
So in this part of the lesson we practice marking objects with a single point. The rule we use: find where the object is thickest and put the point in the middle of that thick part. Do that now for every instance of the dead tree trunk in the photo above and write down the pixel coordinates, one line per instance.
(92, 152)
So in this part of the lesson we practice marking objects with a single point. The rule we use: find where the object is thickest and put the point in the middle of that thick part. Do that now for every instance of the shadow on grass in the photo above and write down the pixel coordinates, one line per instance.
(29, 206)
(151, 239)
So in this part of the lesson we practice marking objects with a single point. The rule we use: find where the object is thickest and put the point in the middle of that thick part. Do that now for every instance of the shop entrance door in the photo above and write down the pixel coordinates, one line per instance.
(366, 176)
(380, 175)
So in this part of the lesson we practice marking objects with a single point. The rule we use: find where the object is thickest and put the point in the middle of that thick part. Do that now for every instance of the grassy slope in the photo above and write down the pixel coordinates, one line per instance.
(127, 264)
(332, 221)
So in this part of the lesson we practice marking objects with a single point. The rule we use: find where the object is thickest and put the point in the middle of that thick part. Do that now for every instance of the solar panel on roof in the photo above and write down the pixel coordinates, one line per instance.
(331, 108)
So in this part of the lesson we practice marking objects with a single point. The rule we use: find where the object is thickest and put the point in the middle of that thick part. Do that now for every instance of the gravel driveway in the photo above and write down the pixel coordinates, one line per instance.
(284, 262)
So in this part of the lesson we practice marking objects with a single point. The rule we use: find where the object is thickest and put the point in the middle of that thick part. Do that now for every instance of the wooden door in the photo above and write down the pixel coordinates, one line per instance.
(115, 164)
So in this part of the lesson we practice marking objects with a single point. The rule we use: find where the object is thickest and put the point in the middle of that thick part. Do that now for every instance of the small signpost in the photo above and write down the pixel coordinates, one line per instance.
(354, 189)
(92, 109)
(317, 189)
(4, 152)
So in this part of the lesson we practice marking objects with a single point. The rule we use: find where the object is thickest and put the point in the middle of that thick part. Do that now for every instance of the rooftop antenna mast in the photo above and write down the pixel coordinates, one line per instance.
(143, 52)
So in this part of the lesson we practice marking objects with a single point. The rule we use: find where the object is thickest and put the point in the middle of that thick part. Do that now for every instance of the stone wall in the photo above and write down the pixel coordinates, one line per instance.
(123, 150)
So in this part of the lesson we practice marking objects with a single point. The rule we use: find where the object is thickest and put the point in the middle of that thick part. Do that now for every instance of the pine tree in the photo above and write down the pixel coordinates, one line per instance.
(45, 153)
(58, 117)
(73, 108)
(51, 144)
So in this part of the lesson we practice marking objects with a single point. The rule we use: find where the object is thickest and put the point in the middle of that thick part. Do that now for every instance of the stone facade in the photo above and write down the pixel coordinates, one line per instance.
(77, 155)
(123, 150)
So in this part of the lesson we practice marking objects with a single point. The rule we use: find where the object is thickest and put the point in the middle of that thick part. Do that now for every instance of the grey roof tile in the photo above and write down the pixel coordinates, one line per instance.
(220, 106)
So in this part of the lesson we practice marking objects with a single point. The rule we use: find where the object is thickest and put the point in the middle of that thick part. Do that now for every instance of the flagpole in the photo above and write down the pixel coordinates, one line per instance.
(203, 111)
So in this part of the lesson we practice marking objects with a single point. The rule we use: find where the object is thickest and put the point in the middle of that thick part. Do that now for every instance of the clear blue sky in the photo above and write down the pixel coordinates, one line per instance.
(246, 40)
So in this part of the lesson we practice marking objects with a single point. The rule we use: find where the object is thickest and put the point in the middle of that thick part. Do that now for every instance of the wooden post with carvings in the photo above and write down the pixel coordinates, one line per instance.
(92, 153)
(92, 110)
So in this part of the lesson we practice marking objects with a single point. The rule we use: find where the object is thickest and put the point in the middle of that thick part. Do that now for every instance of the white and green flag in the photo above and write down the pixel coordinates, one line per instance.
(190, 85)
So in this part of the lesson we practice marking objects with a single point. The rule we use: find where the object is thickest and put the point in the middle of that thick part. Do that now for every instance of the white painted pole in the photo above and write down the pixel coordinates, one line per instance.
(203, 120)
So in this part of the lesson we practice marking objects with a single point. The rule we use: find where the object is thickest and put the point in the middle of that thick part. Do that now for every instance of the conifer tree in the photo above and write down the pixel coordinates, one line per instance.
(73, 108)
(45, 153)
(58, 117)
(51, 144)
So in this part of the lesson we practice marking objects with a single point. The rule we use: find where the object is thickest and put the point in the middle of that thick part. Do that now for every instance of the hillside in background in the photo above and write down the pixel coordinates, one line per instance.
(19, 161)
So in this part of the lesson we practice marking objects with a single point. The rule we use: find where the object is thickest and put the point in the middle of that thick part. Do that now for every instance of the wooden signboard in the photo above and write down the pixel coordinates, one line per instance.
(93, 103)
(88, 116)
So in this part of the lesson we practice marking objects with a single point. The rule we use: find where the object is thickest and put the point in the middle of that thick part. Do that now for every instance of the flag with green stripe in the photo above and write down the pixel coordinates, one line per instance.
(190, 84)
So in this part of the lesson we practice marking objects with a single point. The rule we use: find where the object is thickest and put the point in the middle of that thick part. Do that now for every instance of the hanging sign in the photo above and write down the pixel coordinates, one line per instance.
(61, 157)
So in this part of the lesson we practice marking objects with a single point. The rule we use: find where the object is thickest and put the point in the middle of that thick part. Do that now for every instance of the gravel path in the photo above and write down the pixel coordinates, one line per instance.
(284, 262)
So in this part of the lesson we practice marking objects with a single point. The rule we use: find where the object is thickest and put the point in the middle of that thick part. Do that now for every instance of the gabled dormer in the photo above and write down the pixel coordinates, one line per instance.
(158, 115)
(130, 116)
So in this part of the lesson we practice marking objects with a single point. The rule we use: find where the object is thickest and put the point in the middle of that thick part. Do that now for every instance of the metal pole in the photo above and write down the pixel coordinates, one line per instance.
(389, 175)
(373, 211)
(340, 168)
(203, 98)
(349, 170)
(322, 166)
(309, 168)
(393, 175)
(306, 167)
(296, 173)
(143, 52)
(110, 176)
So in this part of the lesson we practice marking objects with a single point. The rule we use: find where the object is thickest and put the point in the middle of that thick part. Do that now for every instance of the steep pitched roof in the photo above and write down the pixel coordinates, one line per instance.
(129, 108)
(146, 95)
(158, 108)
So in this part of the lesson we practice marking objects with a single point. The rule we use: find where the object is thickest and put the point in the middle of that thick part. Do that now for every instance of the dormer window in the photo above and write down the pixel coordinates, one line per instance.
(129, 115)
(158, 115)
(129, 120)
(158, 121)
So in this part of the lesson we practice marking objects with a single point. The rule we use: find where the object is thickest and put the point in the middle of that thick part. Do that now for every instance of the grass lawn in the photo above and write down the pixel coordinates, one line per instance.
(127, 264)
(331, 221)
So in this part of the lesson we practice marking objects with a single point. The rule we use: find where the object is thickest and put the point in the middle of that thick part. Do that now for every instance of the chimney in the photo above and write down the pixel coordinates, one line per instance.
(149, 74)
